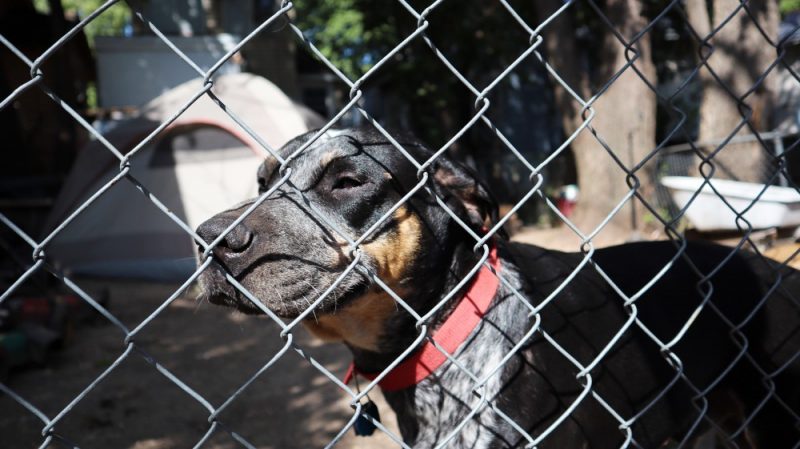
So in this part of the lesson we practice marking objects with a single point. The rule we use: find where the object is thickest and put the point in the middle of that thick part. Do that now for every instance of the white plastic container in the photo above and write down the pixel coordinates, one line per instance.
(133, 70)
(776, 207)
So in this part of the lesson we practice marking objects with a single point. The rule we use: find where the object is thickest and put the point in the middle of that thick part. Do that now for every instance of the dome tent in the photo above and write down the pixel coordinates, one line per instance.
(199, 165)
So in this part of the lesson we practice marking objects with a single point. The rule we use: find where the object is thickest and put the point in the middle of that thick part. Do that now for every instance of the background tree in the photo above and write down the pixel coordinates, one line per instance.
(740, 55)
(625, 113)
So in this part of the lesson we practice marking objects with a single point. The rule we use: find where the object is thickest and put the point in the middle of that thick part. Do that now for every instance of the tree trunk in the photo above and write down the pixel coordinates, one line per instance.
(740, 56)
(624, 115)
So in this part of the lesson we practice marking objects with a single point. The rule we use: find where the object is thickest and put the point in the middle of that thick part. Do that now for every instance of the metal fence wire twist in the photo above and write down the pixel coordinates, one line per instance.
(129, 347)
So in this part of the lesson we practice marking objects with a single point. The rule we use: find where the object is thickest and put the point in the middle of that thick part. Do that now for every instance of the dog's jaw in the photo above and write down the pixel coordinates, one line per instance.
(215, 289)
(288, 301)
(359, 322)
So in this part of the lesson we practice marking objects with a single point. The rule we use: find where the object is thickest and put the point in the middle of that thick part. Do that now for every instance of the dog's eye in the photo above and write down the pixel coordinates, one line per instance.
(346, 182)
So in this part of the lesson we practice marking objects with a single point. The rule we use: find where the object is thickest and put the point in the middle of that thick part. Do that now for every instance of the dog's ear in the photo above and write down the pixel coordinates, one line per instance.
(465, 194)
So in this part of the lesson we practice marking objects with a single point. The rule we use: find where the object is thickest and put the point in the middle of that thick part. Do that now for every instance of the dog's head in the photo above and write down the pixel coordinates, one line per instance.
(289, 250)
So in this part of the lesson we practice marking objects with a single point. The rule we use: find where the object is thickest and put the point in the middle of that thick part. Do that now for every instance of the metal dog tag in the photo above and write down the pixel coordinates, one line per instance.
(363, 426)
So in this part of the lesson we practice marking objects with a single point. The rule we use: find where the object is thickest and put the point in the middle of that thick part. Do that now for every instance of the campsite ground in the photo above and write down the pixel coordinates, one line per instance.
(214, 350)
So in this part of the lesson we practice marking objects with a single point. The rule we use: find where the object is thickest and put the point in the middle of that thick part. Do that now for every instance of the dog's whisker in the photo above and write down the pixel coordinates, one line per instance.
(199, 303)
(313, 312)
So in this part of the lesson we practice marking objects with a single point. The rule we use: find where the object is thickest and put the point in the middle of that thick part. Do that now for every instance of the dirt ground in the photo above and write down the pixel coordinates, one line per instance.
(213, 350)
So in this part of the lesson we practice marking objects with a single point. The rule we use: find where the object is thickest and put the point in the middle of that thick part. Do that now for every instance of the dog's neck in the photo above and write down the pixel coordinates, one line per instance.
(399, 329)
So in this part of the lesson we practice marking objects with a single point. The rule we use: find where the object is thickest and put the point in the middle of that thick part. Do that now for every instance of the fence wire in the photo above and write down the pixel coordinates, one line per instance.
(482, 403)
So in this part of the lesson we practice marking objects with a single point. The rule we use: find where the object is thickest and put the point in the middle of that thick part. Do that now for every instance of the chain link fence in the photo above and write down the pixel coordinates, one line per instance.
(286, 16)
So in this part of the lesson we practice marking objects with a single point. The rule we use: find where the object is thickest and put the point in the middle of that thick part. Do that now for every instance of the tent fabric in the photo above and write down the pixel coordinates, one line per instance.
(199, 165)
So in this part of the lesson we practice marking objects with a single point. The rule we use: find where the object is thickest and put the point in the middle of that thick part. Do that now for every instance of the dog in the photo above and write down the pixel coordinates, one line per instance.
(554, 356)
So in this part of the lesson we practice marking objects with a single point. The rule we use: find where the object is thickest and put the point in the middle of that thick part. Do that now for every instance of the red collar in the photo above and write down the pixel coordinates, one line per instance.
(450, 335)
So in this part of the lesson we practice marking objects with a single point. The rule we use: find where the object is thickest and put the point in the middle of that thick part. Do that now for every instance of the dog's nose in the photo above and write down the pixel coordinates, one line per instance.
(236, 241)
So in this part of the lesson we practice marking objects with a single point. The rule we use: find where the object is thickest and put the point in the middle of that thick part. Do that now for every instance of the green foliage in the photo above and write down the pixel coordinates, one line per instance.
(41, 6)
(91, 95)
(343, 33)
(109, 23)
(787, 6)
(478, 38)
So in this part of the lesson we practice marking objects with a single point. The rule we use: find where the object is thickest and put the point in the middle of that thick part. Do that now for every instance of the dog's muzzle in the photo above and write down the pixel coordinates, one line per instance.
(233, 245)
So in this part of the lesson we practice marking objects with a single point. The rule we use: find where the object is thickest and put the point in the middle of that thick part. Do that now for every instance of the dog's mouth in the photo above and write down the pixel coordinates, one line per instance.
(216, 289)
(295, 299)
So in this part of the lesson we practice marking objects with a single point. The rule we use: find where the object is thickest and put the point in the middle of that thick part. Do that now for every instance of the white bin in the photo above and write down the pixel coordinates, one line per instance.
(776, 207)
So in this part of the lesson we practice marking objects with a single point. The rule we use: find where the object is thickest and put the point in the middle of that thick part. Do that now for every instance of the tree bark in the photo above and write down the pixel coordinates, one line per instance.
(740, 56)
(624, 114)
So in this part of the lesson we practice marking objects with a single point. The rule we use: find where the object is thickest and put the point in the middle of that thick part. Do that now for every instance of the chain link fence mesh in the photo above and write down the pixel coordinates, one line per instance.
(285, 15)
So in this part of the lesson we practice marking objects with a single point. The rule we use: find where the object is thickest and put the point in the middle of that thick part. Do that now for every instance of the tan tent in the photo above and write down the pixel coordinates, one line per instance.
(200, 165)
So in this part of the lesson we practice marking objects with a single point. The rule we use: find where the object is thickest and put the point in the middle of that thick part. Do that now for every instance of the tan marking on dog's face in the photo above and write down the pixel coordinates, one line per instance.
(328, 156)
(394, 251)
(361, 322)
(270, 164)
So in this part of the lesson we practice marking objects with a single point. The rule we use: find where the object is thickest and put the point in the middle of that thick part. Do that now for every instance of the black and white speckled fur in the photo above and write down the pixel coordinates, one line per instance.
(430, 412)
(354, 176)
(539, 384)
